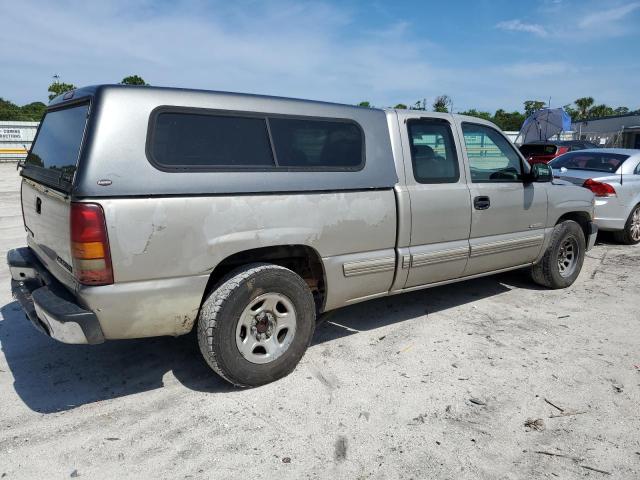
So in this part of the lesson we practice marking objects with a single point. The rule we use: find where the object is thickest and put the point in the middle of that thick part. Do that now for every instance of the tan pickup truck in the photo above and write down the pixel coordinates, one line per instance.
(154, 211)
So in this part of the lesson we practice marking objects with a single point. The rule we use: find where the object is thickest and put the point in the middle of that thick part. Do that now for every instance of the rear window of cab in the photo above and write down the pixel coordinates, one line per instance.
(202, 140)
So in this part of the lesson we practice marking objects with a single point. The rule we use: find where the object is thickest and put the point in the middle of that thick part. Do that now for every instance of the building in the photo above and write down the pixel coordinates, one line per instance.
(16, 139)
(617, 131)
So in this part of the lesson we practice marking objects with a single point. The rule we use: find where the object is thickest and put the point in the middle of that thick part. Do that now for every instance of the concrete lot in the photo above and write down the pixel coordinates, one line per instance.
(432, 384)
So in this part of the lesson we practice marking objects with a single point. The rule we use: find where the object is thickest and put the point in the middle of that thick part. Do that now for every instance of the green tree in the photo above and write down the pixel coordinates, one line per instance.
(511, 121)
(365, 104)
(33, 111)
(401, 106)
(442, 103)
(27, 113)
(573, 113)
(58, 87)
(133, 80)
(475, 113)
(8, 110)
(583, 104)
(601, 110)
(621, 110)
(531, 106)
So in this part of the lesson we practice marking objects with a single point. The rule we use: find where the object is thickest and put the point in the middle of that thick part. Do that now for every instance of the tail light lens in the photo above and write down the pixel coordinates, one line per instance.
(561, 150)
(600, 189)
(90, 245)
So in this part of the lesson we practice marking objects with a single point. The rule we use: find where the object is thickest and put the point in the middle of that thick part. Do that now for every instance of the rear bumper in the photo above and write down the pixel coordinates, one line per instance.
(593, 233)
(50, 307)
(610, 214)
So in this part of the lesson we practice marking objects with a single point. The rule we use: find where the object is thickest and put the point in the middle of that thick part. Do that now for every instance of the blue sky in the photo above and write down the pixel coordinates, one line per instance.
(484, 54)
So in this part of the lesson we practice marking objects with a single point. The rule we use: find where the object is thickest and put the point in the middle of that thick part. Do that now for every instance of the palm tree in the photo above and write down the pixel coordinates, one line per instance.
(601, 111)
(583, 105)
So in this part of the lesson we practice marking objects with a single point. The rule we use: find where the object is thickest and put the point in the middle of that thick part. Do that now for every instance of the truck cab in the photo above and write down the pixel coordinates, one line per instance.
(476, 205)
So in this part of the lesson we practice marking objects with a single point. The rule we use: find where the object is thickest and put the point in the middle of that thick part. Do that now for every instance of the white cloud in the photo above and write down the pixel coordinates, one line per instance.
(517, 25)
(605, 17)
(311, 50)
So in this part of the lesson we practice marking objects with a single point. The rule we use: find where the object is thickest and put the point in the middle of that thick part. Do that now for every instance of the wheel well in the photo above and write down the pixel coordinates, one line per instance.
(581, 218)
(301, 259)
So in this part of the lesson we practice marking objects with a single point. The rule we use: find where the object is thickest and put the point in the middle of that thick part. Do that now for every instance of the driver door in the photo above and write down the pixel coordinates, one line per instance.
(508, 216)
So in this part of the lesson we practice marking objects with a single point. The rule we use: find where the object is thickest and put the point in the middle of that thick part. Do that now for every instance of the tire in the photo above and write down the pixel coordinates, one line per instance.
(631, 233)
(281, 330)
(548, 272)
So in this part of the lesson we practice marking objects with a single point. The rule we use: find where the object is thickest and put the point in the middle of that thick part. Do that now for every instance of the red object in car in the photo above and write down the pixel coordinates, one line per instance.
(600, 189)
(542, 153)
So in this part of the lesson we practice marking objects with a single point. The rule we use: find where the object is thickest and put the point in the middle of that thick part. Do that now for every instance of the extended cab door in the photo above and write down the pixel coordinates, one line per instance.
(440, 202)
(508, 215)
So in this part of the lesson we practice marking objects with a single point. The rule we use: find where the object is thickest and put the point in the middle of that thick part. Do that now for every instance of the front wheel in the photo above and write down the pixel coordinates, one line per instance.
(256, 325)
(563, 259)
(631, 233)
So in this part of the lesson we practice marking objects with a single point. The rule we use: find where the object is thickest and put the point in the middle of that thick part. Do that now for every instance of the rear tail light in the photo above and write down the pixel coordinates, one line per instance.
(600, 189)
(90, 245)
(561, 150)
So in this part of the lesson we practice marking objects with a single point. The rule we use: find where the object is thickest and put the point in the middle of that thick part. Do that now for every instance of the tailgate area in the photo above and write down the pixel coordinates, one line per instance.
(46, 218)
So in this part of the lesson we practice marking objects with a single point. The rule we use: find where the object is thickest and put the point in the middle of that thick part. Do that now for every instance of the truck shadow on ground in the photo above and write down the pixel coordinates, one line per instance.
(51, 377)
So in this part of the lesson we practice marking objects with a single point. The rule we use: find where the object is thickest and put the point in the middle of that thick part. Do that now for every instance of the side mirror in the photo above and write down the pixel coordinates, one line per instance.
(541, 172)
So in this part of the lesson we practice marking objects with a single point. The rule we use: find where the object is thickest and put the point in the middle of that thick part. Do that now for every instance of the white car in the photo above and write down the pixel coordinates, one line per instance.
(613, 175)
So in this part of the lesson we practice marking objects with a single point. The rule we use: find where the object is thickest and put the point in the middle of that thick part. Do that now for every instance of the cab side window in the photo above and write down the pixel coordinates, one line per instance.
(491, 156)
(433, 153)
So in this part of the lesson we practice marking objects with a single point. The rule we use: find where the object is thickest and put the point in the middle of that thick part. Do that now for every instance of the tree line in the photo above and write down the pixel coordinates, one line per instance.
(583, 108)
(33, 112)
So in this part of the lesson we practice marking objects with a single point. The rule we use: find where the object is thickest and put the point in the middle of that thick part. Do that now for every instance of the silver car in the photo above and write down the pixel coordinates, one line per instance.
(613, 175)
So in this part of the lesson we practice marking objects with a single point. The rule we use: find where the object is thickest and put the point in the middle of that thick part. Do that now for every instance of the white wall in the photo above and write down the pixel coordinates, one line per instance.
(14, 137)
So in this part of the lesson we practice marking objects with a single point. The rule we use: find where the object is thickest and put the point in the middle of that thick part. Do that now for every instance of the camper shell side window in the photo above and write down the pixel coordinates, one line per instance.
(187, 139)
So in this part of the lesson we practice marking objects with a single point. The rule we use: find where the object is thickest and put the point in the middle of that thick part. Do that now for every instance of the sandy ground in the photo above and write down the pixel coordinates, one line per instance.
(434, 384)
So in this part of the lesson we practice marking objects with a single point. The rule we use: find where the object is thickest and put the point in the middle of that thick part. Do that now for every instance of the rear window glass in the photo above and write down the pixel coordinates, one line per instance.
(206, 141)
(537, 149)
(54, 155)
(316, 143)
(597, 161)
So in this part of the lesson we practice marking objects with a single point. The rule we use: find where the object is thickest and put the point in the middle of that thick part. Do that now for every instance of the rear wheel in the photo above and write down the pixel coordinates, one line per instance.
(631, 233)
(256, 325)
(563, 259)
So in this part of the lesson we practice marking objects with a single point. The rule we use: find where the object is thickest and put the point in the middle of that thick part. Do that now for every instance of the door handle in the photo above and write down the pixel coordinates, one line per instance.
(481, 203)
(38, 205)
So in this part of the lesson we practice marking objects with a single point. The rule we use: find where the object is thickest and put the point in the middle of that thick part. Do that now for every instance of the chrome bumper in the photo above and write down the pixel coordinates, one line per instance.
(49, 306)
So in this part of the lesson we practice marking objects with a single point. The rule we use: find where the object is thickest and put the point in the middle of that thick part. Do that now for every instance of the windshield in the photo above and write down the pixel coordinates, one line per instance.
(54, 155)
(597, 161)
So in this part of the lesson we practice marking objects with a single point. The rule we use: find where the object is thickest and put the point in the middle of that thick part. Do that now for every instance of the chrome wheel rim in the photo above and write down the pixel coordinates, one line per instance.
(568, 257)
(635, 225)
(266, 328)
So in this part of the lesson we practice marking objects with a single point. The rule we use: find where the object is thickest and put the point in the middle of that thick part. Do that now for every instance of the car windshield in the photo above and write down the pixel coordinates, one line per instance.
(597, 161)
